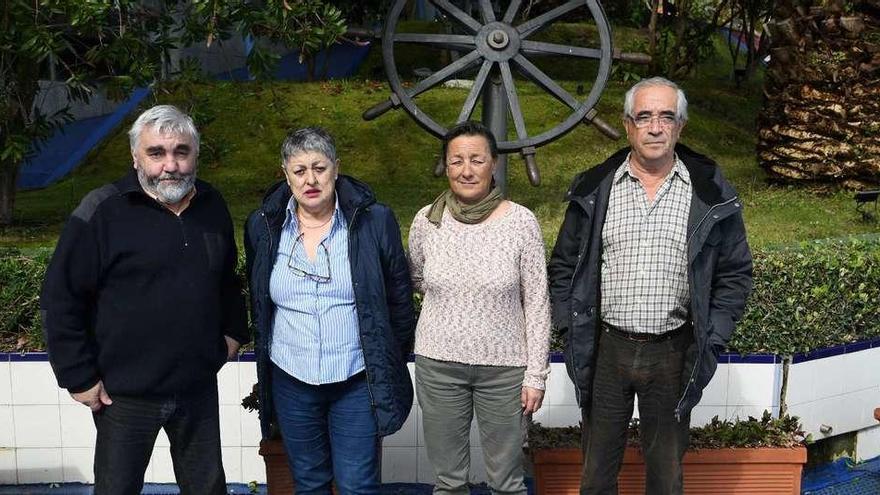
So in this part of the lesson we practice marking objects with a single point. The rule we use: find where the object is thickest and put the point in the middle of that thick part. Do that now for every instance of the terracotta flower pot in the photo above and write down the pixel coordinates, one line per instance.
(768, 471)
(278, 479)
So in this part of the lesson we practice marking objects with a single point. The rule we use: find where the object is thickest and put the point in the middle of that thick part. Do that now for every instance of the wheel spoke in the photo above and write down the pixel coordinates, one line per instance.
(540, 48)
(468, 109)
(444, 73)
(434, 39)
(488, 13)
(511, 11)
(541, 79)
(513, 100)
(458, 14)
(542, 21)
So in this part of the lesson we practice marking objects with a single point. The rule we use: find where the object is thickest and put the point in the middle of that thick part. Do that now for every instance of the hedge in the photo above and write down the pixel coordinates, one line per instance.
(813, 295)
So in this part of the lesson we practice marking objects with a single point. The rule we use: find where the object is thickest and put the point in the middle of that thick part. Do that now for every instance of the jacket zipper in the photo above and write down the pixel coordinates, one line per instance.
(581, 254)
(269, 274)
(360, 336)
(690, 286)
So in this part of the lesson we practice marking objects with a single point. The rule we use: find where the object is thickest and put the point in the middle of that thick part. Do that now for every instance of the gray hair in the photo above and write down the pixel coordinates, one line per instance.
(165, 119)
(681, 105)
(308, 139)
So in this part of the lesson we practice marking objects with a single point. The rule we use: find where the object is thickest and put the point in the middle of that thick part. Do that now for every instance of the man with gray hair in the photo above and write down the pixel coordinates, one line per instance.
(141, 307)
(649, 275)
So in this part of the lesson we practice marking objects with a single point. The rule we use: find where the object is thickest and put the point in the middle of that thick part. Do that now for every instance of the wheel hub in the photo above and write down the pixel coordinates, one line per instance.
(498, 42)
(498, 39)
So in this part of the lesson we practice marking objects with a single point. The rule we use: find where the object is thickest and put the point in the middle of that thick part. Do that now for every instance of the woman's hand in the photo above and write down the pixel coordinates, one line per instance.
(531, 399)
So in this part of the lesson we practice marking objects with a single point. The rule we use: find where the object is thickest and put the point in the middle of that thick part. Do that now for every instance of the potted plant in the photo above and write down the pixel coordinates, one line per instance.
(278, 479)
(734, 457)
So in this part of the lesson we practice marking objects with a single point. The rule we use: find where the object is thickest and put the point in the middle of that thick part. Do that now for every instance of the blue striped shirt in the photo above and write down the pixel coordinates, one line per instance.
(315, 336)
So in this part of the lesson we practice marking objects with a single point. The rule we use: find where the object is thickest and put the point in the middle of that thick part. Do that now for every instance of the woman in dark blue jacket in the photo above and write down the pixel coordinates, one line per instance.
(332, 304)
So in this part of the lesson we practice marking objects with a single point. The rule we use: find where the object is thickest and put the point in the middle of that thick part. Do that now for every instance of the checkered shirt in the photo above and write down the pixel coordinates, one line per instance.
(644, 253)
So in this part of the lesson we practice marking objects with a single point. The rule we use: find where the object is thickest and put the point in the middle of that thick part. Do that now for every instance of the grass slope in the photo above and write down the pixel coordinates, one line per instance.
(243, 125)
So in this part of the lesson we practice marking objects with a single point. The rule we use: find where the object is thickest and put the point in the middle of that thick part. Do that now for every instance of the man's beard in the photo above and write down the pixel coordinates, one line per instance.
(169, 188)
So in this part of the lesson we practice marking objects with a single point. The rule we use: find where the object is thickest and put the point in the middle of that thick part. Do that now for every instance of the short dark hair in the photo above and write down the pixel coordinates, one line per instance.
(469, 128)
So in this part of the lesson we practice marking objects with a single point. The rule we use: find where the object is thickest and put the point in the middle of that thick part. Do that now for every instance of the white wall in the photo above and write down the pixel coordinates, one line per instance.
(47, 437)
(839, 391)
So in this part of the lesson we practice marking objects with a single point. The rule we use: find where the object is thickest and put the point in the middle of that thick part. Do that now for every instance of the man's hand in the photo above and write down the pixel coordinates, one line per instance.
(95, 397)
(232, 347)
(531, 399)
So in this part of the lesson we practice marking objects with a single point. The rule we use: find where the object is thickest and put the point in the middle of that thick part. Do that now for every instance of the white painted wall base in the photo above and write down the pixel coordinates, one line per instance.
(47, 437)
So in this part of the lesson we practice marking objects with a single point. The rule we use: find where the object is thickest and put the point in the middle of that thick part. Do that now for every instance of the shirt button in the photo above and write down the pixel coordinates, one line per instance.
(574, 314)
(714, 216)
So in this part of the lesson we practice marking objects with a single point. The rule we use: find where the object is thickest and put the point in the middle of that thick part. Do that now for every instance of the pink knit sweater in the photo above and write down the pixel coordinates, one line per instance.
(485, 291)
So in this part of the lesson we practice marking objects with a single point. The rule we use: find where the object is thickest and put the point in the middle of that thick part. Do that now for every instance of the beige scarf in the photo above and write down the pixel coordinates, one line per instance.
(462, 212)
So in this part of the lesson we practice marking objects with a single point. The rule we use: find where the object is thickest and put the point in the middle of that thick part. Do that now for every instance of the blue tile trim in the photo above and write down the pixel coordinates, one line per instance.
(557, 357)
(752, 358)
(4, 357)
(28, 357)
(247, 357)
(818, 354)
(858, 346)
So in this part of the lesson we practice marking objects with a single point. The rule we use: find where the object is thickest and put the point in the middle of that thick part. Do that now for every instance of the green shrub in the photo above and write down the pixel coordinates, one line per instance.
(768, 431)
(21, 275)
(806, 297)
(813, 295)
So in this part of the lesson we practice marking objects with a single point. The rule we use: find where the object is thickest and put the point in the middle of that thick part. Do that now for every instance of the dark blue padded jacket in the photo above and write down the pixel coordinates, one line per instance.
(382, 289)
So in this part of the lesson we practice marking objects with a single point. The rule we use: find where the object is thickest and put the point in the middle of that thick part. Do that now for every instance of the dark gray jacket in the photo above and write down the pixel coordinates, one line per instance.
(719, 271)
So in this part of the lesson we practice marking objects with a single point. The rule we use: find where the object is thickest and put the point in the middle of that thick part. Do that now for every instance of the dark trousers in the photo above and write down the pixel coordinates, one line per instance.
(653, 372)
(330, 434)
(127, 430)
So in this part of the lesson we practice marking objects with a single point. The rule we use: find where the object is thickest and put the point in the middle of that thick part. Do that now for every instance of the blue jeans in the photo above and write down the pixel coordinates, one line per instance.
(127, 430)
(329, 434)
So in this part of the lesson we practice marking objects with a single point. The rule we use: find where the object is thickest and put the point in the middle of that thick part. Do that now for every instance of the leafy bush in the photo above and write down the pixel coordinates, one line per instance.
(21, 275)
(809, 296)
(768, 431)
(814, 295)
(806, 297)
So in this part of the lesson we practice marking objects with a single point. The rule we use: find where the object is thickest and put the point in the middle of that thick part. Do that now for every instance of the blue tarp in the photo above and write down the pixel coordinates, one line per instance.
(58, 155)
(345, 59)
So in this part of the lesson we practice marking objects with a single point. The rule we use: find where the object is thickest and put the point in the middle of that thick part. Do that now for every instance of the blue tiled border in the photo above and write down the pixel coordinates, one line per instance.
(557, 357)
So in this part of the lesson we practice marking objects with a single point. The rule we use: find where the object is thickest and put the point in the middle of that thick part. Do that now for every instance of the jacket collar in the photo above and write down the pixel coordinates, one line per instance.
(351, 194)
(702, 170)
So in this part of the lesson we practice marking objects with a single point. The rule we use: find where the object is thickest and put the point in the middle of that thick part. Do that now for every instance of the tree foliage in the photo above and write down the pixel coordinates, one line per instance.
(87, 46)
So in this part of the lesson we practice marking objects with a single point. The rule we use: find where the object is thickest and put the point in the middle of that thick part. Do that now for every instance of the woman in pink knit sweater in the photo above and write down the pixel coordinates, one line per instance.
(483, 335)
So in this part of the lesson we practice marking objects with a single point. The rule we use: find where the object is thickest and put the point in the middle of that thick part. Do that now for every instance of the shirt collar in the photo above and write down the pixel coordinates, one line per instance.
(290, 218)
(678, 169)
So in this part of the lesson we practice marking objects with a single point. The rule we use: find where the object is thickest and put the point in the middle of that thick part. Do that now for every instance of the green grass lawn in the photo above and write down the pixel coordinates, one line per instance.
(245, 123)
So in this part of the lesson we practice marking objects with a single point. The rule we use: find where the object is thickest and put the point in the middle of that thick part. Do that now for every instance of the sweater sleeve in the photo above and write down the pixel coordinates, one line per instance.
(416, 251)
(67, 303)
(536, 305)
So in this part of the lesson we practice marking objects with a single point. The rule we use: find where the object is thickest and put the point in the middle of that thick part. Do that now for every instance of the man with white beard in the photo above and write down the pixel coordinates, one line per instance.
(141, 307)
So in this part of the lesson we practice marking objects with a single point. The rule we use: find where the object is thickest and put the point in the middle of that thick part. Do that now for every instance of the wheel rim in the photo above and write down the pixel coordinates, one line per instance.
(500, 42)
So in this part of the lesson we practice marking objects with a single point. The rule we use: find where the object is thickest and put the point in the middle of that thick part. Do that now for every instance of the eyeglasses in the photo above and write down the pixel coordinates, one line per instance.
(644, 120)
(321, 278)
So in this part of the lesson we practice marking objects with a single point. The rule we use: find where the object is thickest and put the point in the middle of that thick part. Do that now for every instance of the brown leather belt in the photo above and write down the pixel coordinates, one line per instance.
(645, 337)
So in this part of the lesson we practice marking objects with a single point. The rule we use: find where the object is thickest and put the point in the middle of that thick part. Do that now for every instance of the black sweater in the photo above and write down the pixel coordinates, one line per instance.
(139, 297)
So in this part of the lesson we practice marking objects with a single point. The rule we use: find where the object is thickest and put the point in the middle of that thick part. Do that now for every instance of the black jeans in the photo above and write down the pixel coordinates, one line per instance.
(127, 430)
(653, 372)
